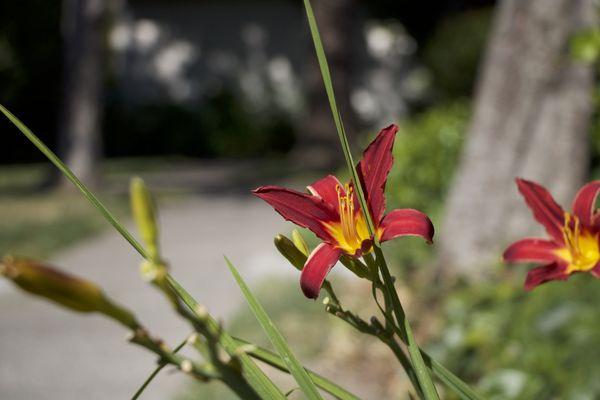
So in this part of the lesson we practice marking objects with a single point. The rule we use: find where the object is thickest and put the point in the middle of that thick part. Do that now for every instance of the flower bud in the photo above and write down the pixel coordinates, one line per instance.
(300, 242)
(144, 214)
(289, 250)
(355, 265)
(67, 290)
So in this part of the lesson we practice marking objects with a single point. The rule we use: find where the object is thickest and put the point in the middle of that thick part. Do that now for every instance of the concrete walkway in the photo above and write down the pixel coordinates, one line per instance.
(48, 353)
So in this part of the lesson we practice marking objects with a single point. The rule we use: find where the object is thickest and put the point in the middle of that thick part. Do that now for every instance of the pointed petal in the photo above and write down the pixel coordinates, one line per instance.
(326, 189)
(546, 273)
(545, 210)
(300, 208)
(374, 167)
(531, 250)
(318, 265)
(404, 222)
(584, 204)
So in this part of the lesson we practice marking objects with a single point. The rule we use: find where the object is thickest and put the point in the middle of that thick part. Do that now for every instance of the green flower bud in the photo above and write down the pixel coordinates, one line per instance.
(67, 290)
(300, 242)
(288, 249)
(144, 214)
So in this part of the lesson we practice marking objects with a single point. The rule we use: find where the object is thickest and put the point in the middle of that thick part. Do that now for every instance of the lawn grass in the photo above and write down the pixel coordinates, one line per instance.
(37, 222)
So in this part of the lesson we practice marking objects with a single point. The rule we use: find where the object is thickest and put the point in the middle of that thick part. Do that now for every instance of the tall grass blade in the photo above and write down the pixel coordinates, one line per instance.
(71, 177)
(296, 369)
(421, 370)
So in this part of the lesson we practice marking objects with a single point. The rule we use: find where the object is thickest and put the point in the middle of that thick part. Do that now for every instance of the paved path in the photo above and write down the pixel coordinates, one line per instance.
(48, 353)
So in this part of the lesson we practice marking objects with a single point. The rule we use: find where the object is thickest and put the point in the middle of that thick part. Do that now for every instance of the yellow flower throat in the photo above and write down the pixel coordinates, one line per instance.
(351, 230)
(581, 249)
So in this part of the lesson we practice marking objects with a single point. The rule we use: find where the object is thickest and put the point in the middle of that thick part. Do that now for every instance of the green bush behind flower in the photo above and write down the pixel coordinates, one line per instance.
(425, 156)
(543, 344)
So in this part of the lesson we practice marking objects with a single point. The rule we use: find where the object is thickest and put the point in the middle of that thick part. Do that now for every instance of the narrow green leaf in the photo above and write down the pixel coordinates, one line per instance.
(419, 365)
(78, 184)
(464, 391)
(275, 361)
(265, 388)
(324, 66)
(296, 369)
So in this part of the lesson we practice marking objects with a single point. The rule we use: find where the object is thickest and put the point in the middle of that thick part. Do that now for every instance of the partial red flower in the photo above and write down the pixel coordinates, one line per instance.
(574, 236)
(332, 212)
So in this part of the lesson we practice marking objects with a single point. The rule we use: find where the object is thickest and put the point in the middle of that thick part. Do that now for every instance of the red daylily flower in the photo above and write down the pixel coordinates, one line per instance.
(332, 212)
(574, 237)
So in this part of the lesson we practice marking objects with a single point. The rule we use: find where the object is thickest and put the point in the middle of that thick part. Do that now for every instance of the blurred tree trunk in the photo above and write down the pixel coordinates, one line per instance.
(531, 117)
(318, 144)
(80, 142)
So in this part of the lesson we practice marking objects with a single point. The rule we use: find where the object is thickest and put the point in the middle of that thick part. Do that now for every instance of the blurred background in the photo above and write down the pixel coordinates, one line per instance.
(209, 99)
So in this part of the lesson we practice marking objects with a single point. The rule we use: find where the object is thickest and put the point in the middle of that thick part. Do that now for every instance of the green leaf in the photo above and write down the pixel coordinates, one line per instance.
(339, 125)
(418, 363)
(296, 369)
(275, 361)
(78, 184)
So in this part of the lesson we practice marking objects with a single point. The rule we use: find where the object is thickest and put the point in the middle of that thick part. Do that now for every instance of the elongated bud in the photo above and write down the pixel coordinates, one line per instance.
(144, 214)
(288, 249)
(300, 243)
(67, 290)
(356, 266)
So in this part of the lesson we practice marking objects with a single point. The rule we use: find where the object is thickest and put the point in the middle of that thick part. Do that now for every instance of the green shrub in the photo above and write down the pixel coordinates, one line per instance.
(543, 344)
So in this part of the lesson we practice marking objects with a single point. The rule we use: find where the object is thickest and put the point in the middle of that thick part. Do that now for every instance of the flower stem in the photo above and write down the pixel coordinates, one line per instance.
(421, 370)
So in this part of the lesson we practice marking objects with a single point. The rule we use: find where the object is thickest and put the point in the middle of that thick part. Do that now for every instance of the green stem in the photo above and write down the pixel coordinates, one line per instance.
(404, 361)
(419, 365)
(153, 375)
(275, 361)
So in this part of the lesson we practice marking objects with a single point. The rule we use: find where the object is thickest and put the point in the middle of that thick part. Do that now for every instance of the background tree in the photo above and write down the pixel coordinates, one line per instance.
(80, 140)
(531, 117)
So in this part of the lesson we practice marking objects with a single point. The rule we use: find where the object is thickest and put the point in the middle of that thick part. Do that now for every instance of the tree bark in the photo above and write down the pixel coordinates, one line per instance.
(531, 117)
(318, 144)
(80, 142)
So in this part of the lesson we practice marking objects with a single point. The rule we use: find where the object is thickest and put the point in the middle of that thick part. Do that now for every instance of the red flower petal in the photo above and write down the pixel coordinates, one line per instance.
(531, 250)
(585, 202)
(545, 210)
(300, 208)
(550, 272)
(318, 265)
(374, 167)
(406, 222)
(326, 189)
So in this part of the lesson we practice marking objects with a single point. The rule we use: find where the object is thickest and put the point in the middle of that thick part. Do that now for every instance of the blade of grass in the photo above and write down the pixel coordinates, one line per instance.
(296, 369)
(71, 177)
(421, 370)
(257, 379)
(275, 361)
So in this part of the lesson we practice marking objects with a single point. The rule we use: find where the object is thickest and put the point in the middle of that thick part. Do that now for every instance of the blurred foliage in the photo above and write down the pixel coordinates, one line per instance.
(453, 52)
(425, 156)
(585, 46)
(543, 344)
(220, 126)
